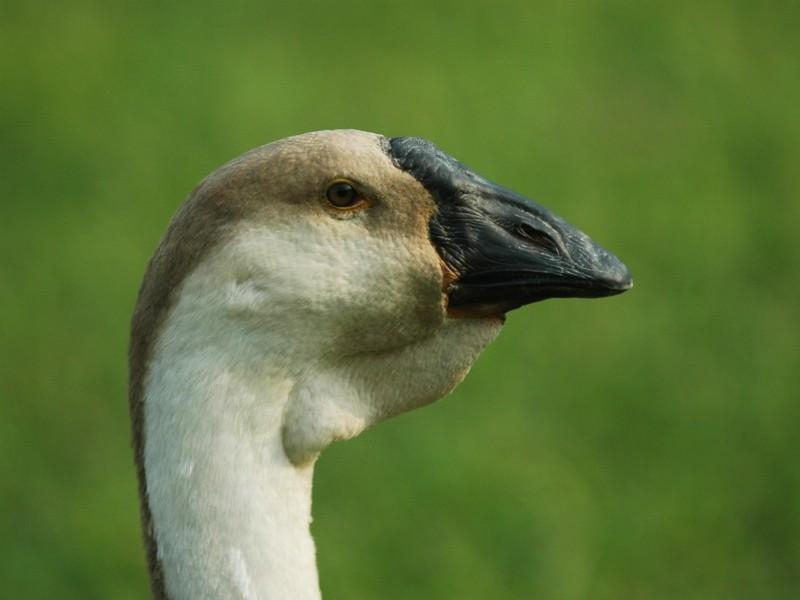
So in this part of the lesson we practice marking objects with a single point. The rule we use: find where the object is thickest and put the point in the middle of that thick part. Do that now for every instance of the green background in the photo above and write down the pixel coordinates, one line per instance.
(644, 446)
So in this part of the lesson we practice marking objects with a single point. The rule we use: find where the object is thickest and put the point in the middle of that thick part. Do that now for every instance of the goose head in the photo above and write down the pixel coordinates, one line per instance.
(303, 292)
(334, 252)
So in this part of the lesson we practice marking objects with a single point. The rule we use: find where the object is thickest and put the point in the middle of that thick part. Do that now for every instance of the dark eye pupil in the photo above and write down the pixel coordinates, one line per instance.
(342, 194)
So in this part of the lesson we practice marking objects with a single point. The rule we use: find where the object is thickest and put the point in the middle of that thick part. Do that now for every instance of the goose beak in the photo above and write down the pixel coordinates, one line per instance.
(508, 252)
(504, 250)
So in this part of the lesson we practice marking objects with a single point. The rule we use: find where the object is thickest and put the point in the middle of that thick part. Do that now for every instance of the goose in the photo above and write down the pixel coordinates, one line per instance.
(303, 292)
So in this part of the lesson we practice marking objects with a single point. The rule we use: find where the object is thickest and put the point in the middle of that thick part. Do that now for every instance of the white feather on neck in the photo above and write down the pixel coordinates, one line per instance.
(231, 514)
(233, 392)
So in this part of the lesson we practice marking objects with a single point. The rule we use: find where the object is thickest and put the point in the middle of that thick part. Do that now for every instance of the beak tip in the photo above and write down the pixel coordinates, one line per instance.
(611, 272)
(618, 278)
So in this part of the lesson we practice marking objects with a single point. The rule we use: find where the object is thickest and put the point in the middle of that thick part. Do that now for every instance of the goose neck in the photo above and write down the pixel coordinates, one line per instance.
(230, 512)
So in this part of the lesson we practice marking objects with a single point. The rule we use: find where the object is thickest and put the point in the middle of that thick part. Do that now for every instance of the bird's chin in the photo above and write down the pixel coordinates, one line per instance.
(491, 313)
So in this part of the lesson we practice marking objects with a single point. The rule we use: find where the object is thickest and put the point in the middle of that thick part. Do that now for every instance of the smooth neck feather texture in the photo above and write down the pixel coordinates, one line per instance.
(231, 513)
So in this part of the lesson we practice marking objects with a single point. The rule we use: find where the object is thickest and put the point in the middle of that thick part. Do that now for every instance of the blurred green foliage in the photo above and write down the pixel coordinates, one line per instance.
(644, 446)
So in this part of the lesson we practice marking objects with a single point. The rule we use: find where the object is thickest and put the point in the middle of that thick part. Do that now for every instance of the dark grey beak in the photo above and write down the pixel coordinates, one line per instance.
(505, 251)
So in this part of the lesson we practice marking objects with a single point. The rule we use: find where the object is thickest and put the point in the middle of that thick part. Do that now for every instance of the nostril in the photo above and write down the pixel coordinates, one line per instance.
(539, 238)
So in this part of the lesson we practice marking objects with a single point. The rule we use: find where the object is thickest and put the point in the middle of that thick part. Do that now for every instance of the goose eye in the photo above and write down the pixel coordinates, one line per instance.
(343, 195)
